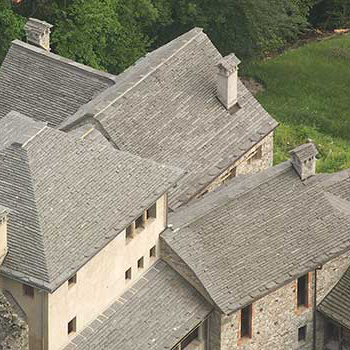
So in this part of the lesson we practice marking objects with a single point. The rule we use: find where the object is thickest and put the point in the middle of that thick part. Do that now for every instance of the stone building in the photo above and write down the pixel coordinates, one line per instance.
(113, 238)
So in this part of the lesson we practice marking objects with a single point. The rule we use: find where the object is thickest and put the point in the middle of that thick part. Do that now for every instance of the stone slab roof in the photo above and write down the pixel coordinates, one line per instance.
(18, 128)
(155, 314)
(305, 151)
(45, 86)
(259, 233)
(165, 108)
(336, 304)
(68, 199)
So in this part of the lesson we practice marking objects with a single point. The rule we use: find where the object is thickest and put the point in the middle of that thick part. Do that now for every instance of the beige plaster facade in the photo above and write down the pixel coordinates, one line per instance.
(258, 158)
(98, 284)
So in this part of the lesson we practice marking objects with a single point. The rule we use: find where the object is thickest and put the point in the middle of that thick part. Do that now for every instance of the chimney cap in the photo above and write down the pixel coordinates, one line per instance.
(229, 63)
(34, 24)
(3, 212)
(305, 151)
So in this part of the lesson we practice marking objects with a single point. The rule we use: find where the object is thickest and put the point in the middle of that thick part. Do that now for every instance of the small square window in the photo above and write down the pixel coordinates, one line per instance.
(28, 291)
(72, 326)
(302, 333)
(139, 222)
(152, 252)
(152, 212)
(140, 263)
(72, 280)
(128, 274)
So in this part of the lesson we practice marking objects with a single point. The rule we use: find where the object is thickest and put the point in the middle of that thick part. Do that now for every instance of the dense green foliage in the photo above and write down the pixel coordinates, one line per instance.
(331, 14)
(247, 27)
(10, 27)
(112, 34)
(307, 91)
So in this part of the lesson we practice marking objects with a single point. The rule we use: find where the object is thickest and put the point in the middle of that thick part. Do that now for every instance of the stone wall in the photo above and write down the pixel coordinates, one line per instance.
(276, 318)
(13, 329)
(248, 164)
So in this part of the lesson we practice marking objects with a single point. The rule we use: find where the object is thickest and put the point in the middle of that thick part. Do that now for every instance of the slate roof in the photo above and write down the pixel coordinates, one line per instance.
(336, 304)
(16, 127)
(165, 108)
(305, 151)
(44, 86)
(68, 199)
(155, 314)
(260, 232)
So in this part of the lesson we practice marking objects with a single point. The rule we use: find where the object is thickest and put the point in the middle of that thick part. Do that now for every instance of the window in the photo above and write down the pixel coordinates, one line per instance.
(28, 291)
(139, 222)
(152, 212)
(246, 322)
(302, 291)
(256, 155)
(152, 252)
(128, 274)
(302, 333)
(140, 263)
(72, 281)
(72, 326)
(129, 231)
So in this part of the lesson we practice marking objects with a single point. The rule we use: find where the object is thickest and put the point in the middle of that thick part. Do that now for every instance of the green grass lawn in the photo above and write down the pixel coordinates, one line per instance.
(308, 93)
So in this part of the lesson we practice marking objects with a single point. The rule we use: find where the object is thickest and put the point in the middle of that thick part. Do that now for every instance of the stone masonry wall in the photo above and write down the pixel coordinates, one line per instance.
(13, 330)
(276, 318)
(246, 164)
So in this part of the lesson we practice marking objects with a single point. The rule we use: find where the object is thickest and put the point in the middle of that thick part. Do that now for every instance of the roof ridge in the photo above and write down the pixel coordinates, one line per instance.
(225, 192)
(37, 214)
(34, 136)
(95, 73)
(198, 32)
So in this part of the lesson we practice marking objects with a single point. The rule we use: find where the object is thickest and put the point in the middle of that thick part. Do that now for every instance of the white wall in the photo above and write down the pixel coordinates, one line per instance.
(102, 279)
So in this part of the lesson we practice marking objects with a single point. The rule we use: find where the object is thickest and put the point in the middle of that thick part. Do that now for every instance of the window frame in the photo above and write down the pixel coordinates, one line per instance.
(302, 331)
(246, 322)
(128, 274)
(72, 281)
(141, 263)
(153, 252)
(151, 213)
(72, 326)
(303, 291)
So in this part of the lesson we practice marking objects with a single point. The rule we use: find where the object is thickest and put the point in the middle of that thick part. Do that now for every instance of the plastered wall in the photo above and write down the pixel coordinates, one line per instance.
(102, 280)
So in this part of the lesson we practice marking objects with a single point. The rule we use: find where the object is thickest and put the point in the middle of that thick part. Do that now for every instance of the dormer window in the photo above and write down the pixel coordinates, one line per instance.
(152, 212)
(72, 281)
(139, 223)
(129, 232)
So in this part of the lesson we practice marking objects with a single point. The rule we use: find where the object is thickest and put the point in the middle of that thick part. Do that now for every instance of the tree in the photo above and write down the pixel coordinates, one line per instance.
(247, 27)
(11, 27)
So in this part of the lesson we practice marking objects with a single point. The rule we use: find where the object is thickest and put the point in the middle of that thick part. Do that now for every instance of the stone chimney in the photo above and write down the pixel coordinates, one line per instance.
(3, 233)
(227, 80)
(38, 33)
(304, 160)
